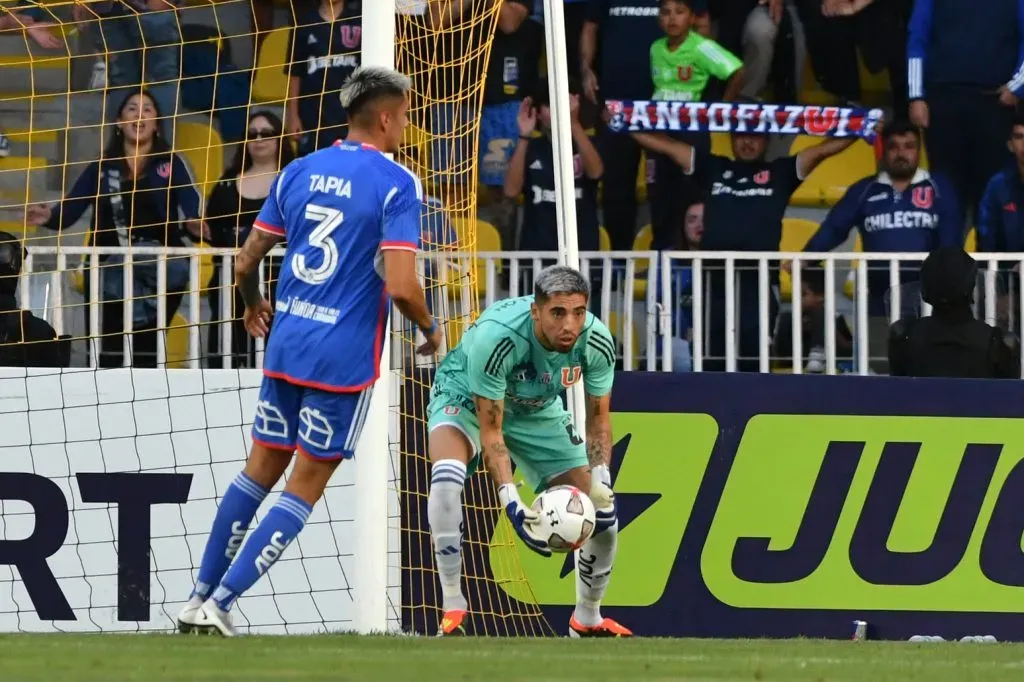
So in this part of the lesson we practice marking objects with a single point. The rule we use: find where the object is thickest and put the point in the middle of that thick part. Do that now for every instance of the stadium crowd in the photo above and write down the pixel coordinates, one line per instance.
(685, 191)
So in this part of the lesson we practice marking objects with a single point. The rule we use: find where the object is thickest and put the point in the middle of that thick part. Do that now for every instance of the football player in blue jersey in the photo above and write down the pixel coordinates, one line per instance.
(351, 219)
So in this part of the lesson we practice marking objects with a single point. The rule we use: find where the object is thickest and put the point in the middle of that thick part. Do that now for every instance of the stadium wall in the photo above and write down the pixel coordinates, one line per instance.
(108, 485)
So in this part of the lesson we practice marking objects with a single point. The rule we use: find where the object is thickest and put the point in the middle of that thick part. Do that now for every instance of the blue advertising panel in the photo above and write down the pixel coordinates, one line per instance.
(775, 506)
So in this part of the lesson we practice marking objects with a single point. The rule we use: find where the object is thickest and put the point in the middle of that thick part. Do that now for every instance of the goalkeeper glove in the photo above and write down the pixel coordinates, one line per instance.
(603, 498)
(522, 517)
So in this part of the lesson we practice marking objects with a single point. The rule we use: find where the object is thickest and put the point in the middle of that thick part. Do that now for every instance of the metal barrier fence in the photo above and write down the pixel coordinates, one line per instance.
(669, 311)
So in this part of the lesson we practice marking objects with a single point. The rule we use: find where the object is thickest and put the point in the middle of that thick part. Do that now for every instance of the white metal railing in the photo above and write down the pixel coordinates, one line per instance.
(730, 298)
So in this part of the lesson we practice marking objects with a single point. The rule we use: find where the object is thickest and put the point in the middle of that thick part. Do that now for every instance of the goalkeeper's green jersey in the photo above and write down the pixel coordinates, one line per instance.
(499, 357)
(680, 75)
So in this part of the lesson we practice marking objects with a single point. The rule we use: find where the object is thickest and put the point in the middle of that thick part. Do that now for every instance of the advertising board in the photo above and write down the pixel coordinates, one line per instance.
(782, 506)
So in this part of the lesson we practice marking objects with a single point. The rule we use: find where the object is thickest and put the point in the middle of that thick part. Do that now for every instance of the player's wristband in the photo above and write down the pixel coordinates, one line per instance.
(430, 330)
(525, 137)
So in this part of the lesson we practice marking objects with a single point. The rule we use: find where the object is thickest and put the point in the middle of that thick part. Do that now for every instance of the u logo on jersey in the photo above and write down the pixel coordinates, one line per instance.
(351, 35)
(570, 375)
(763, 177)
(684, 73)
(922, 197)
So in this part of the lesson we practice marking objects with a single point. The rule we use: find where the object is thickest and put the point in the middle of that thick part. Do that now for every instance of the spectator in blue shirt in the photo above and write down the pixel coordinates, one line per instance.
(999, 224)
(138, 192)
(965, 66)
(903, 209)
(1000, 227)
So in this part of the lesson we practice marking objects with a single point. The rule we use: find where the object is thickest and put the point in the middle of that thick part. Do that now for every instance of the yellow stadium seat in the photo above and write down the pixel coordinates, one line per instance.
(849, 286)
(203, 148)
(414, 150)
(270, 84)
(642, 240)
(487, 238)
(828, 182)
(721, 144)
(605, 240)
(796, 232)
(641, 179)
(177, 342)
(971, 241)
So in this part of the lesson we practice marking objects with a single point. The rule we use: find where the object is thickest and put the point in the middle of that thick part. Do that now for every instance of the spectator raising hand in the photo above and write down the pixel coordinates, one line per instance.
(526, 119)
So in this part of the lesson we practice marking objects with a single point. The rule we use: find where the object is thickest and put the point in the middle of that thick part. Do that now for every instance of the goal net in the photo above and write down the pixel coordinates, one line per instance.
(111, 469)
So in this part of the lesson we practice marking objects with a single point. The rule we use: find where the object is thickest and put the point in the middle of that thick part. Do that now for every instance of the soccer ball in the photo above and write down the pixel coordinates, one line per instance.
(567, 518)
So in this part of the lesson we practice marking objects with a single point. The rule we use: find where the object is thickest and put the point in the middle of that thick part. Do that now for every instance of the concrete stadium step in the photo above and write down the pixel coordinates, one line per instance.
(18, 181)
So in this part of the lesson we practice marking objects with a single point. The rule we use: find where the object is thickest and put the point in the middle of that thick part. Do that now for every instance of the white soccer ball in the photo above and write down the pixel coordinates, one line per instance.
(567, 518)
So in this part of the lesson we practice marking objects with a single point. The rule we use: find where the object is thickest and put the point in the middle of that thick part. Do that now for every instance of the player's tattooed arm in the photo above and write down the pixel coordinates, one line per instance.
(491, 414)
(247, 271)
(599, 430)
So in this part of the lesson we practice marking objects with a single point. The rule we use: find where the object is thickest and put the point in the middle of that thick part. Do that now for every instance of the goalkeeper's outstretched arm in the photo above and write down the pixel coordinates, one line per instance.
(491, 414)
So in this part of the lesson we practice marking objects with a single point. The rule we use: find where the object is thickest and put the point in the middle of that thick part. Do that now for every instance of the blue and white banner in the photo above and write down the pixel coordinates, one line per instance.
(635, 116)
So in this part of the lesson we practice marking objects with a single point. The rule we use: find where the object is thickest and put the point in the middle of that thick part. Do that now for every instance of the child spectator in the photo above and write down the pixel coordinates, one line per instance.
(682, 63)
(326, 45)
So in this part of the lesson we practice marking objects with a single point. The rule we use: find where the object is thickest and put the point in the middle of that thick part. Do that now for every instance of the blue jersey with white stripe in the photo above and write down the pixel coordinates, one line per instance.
(338, 209)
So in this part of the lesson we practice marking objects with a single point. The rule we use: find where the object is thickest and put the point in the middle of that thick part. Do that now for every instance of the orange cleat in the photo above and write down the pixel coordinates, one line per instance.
(606, 628)
(452, 624)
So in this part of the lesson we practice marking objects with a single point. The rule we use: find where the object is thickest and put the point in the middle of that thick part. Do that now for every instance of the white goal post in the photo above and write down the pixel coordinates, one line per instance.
(373, 452)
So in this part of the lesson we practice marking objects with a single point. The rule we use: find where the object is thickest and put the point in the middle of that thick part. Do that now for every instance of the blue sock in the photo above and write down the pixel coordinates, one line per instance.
(267, 543)
(234, 515)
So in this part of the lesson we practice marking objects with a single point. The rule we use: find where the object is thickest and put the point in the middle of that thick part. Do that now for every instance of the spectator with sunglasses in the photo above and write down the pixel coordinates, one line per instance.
(230, 212)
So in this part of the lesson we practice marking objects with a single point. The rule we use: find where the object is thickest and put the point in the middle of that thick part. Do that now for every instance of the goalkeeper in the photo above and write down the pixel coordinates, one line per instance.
(500, 389)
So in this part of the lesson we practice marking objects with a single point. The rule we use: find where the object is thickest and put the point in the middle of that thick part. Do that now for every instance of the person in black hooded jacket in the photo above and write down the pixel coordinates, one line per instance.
(25, 340)
(951, 342)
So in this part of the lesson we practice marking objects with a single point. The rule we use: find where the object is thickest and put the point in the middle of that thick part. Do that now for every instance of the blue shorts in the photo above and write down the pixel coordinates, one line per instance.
(499, 134)
(317, 423)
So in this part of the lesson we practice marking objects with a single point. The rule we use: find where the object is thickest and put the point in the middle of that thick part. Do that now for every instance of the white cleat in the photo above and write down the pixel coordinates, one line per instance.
(211, 617)
(187, 615)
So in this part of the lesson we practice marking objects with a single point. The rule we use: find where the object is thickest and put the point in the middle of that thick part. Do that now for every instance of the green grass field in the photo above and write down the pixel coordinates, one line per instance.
(158, 658)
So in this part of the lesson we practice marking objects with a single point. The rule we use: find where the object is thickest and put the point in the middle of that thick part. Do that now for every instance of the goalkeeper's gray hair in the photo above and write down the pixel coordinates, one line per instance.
(367, 83)
(559, 279)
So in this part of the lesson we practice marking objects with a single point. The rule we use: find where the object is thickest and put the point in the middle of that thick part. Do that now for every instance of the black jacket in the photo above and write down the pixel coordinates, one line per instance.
(26, 340)
(956, 346)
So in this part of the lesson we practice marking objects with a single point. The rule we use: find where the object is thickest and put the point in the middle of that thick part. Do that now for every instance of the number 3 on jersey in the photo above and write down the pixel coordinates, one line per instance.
(328, 220)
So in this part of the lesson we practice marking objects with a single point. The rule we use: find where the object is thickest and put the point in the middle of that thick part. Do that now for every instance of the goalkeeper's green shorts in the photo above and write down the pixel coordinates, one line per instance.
(542, 444)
